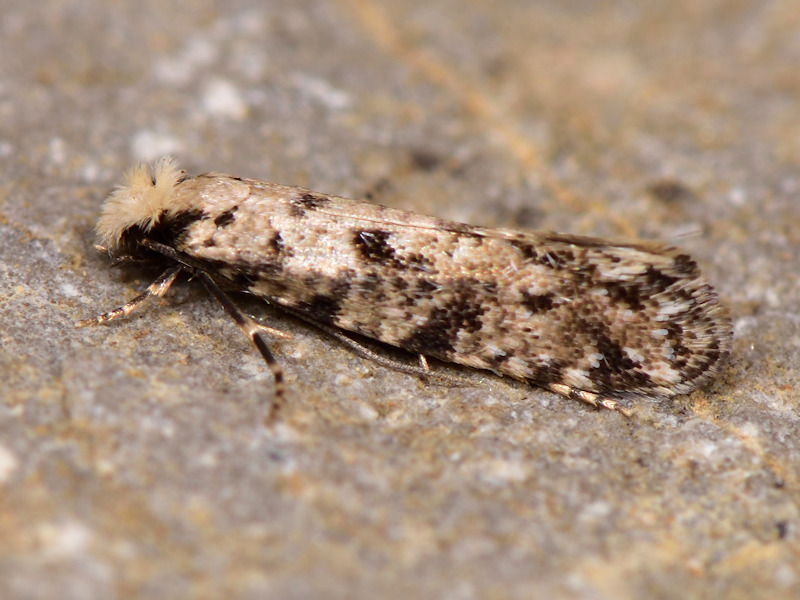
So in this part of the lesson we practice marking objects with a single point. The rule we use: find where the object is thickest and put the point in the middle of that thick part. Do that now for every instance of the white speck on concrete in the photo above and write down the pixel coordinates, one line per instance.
(220, 98)
(180, 69)
(8, 464)
(322, 91)
(64, 540)
(57, 150)
(69, 291)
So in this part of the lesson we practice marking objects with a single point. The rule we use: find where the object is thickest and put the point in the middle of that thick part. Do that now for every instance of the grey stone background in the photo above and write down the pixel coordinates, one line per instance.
(133, 462)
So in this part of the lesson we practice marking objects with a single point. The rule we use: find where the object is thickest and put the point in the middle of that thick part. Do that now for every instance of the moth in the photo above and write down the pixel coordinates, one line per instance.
(587, 318)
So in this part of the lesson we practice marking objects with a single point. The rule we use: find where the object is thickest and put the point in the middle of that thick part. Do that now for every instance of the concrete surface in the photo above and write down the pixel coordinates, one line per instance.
(133, 462)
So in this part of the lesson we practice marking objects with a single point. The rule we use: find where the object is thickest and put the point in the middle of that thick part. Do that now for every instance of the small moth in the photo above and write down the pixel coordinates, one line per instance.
(587, 318)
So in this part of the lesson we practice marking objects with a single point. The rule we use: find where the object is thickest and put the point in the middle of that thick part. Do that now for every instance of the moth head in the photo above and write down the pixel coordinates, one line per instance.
(146, 196)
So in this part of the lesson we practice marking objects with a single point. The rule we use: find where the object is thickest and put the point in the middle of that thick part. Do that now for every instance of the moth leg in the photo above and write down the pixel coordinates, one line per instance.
(256, 333)
(118, 261)
(365, 352)
(156, 289)
(589, 398)
(423, 363)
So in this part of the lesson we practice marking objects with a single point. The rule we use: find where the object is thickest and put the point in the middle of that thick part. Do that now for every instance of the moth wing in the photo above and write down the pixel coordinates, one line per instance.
(368, 214)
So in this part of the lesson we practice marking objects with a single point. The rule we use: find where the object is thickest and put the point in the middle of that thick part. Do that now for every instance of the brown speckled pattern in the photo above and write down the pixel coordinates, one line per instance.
(552, 309)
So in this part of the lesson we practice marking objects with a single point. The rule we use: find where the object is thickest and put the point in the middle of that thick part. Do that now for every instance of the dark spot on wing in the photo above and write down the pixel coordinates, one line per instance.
(685, 265)
(658, 281)
(460, 314)
(616, 371)
(307, 200)
(527, 250)
(175, 228)
(435, 337)
(417, 261)
(538, 302)
(625, 293)
(373, 246)
(424, 289)
(322, 308)
(615, 360)
(225, 218)
(399, 284)
(544, 375)
(296, 211)
(556, 259)
(325, 307)
(498, 359)
(277, 247)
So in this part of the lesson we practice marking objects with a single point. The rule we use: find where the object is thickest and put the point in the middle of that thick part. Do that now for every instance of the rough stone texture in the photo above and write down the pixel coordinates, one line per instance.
(133, 462)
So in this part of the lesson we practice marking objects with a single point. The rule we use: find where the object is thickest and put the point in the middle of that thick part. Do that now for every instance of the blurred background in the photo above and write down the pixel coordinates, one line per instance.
(133, 460)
